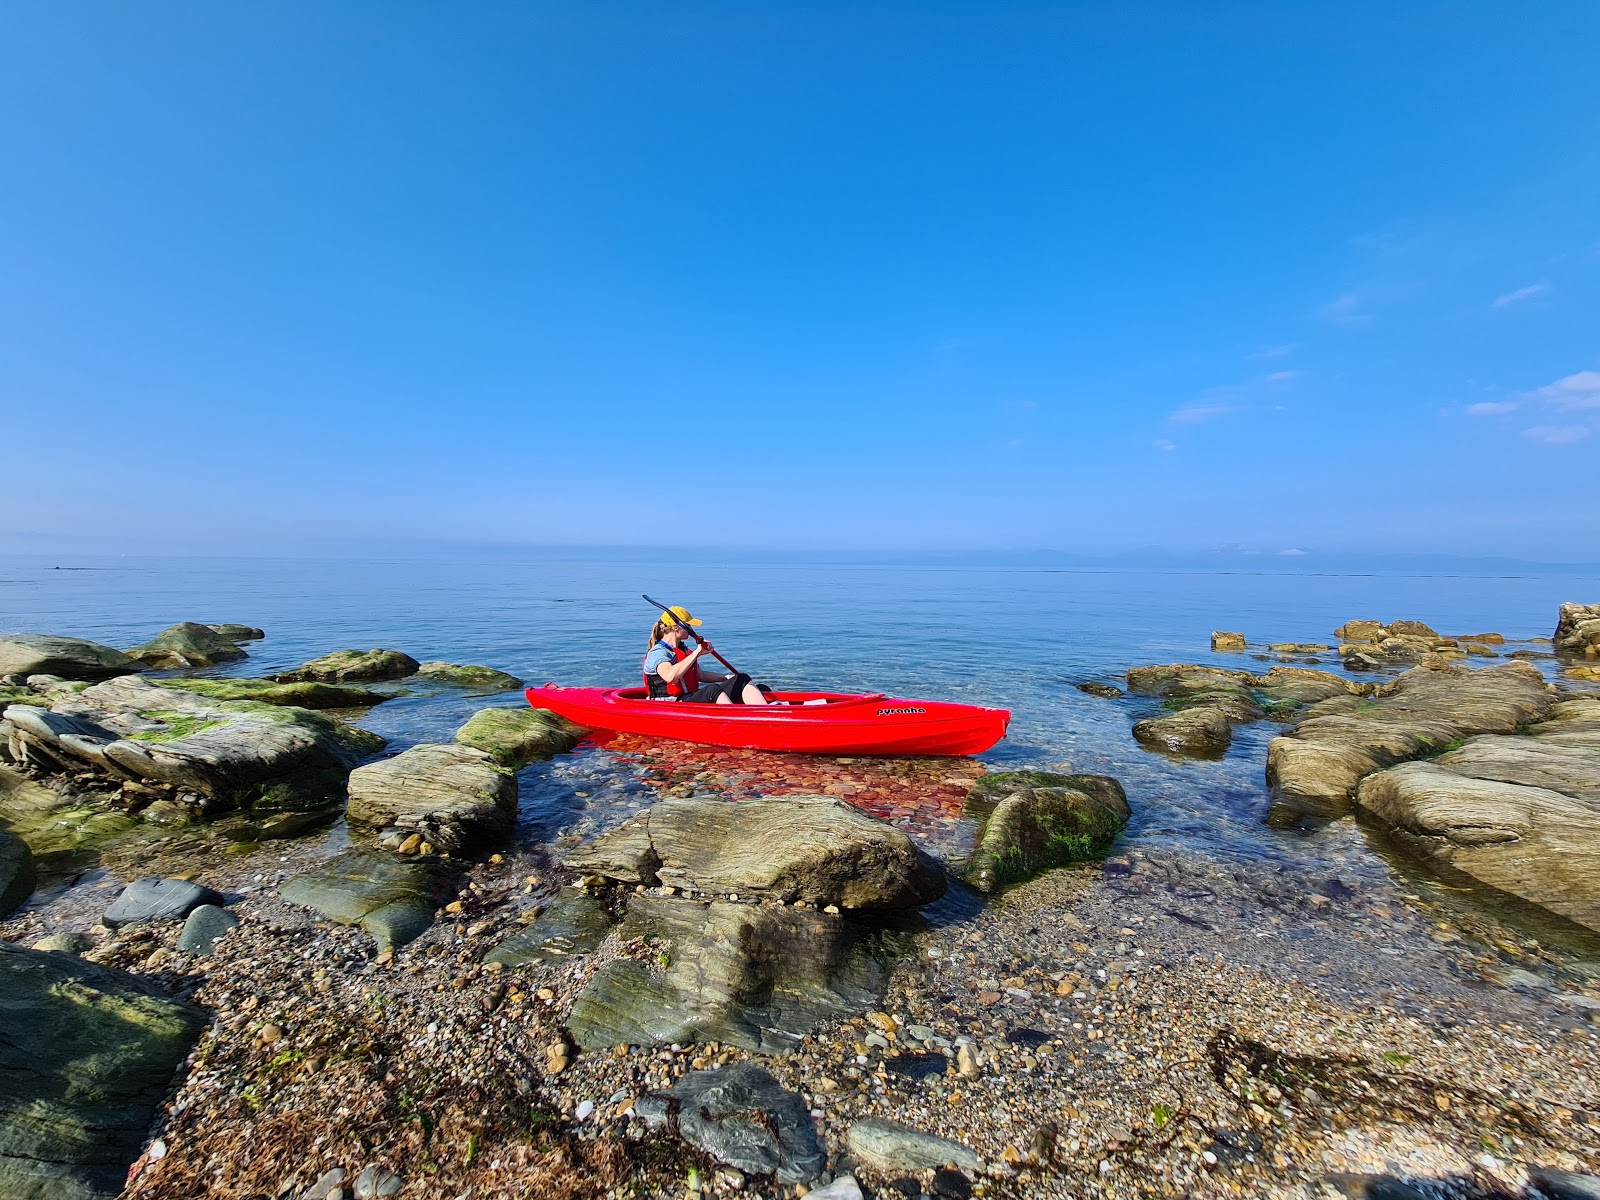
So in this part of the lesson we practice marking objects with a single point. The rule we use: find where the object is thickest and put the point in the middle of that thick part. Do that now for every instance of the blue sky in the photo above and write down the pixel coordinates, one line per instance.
(824, 275)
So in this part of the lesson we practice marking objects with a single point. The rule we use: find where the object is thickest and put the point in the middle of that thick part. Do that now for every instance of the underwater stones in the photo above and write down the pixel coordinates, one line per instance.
(186, 644)
(205, 927)
(516, 737)
(454, 796)
(1105, 691)
(890, 1148)
(757, 976)
(575, 923)
(1199, 732)
(475, 678)
(742, 1116)
(238, 633)
(156, 900)
(1317, 764)
(1035, 828)
(392, 899)
(71, 658)
(352, 666)
(1578, 629)
(1227, 641)
(807, 848)
(87, 1053)
(285, 695)
(16, 871)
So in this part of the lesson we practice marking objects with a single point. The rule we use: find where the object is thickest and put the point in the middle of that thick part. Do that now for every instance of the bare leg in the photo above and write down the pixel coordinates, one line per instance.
(753, 695)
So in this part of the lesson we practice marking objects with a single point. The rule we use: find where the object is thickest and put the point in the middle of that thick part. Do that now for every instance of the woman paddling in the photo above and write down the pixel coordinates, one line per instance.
(673, 672)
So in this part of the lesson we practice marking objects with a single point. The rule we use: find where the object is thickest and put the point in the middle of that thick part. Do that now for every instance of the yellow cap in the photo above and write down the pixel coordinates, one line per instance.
(682, 613)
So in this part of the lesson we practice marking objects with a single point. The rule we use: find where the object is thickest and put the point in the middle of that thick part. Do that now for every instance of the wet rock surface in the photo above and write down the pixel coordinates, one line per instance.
(392, 899)
(516, 737)
(290, 695)
(454, 797)
(576, 922)
(1041, 820)
(353, 666)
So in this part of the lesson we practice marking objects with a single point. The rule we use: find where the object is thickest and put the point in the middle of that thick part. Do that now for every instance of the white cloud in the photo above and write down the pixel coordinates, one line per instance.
(1575, 393)
(1291, 553)
(1531, 292)
(1199, 414)
(1556, 435)
(1163, 444)
(1284, 376)
(1492, 408)
(1346, 310)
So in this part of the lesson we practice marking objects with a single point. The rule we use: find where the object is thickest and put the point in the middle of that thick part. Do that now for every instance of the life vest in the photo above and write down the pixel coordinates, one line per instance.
(681, 686)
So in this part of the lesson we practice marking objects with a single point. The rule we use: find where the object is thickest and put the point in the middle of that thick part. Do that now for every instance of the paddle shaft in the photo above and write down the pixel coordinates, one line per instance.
(688, 630)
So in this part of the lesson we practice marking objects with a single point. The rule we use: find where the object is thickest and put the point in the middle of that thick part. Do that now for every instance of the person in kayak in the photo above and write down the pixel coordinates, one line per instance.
(673, 672)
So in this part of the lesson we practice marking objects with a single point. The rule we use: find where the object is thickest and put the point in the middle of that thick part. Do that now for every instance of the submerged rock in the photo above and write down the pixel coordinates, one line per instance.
(1103, 690)
(86, 1054)
(516, 737)
(575, 923)
(392, 899)
(806, 848)
(1317, 765)
(454, 796)
(186, 644)
(16, 871)
(478, 679)
(1038, 826)
(352, 666)
(1199, 732)
(1519, 813)
(238, 633)
(27, 654)
(284, 695)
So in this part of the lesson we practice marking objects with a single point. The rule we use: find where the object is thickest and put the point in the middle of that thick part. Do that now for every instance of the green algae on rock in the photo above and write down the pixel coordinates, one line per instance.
(393, 899)
(186, 644)
(475, 678)
(352, 666)
(516, 737)
(16, 871)
(284, 695)
(575, 923)
(1042, 820)
(87, 1053)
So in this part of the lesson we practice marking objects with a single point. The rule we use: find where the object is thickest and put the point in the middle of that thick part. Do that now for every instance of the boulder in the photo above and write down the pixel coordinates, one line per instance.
(515, 737)
(891, 1148)
(207, 925)
(1227, 641)
(797, 848)
(238, 633)
(1361, 631)
(87, 1053)
(1298, 647)
(477, 679)
(1587, 674)
(758, 976)
(1104, 690)
(454, 796)
(1317, 764)
(156, 900)
(1487, 639)
(1518, 813)
(1034, 828)
(284, 695)
(71, 658)
(1577, 630)
(392, 899)
(1186, 679)
(742, 1116)
(575, 923)
(353, 666)
(233, 754)
(16, 871)
(186, 644)
(1199, 732)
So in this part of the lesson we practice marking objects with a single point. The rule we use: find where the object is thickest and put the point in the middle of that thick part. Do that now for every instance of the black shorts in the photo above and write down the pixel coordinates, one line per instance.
(733, 689)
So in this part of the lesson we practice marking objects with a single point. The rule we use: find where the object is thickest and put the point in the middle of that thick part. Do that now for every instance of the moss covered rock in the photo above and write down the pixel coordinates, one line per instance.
(289, 695)
(1037, 827)
(516, 737)
(456, 797)
(71, 658)
(353, 666)
(16, 871)
(478, 679)
(186, 644)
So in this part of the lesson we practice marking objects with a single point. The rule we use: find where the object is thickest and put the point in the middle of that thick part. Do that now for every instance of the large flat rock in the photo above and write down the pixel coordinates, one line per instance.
(1318, 763)
(806, 848)
(392, 899)
(1518, 813)
(70, 658)
(86, 1053)
(455, 796)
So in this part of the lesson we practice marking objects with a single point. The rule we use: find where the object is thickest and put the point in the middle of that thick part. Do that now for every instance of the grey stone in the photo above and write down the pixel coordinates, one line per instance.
(205, 927)
(454, 796)
(575, 923)
(86, 1053)
(889, 1147)
(187, 644)
(157, 900)
(71, 658)
(238, 633)
(353, 666)
(375, 1182)
(63, 943)
(1564, 1185)
(473, 678)
(742, 1116)
(392, 899)
(323, 1186)
(17, 876)
(516, 737)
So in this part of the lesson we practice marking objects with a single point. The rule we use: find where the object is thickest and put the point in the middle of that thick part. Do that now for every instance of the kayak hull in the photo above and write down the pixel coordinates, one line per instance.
(842, 724)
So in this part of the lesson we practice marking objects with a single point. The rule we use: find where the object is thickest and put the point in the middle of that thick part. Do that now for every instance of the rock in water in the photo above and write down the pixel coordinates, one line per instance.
(518, 736)
(475, 678)
(286, 695)
(575, 923)
(157, 900)
(742, 1116)
(186, 644)
(392, 899)
(353, 666)
(238, 633)
(757, 976)
(1521, 814)
(809, 848)
(71, 658)
(86, 1053)
(16, 871)
(1227, 641)
(1103, 690)
(454, 796)
(1578, 629)
(890, 1147)
(206, 926)
(1199, 732)
(1035, 828)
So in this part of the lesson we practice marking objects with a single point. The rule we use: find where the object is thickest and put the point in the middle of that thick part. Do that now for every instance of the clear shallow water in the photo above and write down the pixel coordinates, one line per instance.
(1011, 638)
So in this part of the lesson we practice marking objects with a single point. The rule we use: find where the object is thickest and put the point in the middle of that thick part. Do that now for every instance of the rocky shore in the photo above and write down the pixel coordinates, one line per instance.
(248, 956)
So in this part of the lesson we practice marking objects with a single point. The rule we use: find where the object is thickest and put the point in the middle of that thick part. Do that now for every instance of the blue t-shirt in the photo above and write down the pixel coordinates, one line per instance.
(659, 653)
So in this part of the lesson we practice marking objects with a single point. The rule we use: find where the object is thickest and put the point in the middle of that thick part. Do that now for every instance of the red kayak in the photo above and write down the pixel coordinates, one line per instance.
(807, 723)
